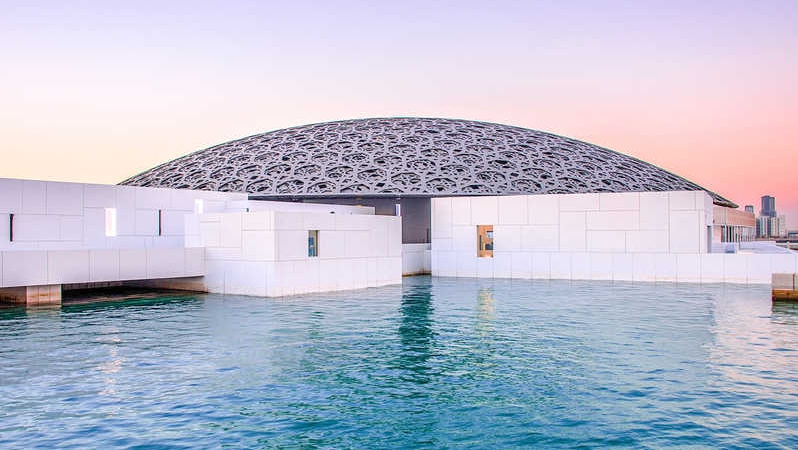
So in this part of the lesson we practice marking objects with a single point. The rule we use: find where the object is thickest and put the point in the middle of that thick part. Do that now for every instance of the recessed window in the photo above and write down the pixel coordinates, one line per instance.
(313, 243)
(110, 222)
(485, 241)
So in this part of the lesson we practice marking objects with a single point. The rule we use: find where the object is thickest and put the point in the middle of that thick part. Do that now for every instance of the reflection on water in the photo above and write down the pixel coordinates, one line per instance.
(435, 363)
(415, 330)
(485, 311)
(785, 313)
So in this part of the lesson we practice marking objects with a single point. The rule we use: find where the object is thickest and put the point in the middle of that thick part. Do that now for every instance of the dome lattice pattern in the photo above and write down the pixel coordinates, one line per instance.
(415, 156)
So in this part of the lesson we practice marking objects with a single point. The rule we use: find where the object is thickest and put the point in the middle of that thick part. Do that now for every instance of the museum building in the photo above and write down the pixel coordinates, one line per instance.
(359, 203)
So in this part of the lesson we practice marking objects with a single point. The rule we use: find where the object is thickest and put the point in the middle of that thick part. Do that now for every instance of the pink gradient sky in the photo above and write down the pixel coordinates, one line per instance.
(97, 92)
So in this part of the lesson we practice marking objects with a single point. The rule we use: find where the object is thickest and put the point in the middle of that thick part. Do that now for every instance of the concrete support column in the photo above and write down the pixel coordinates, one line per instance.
(32, 295)
(785, 286)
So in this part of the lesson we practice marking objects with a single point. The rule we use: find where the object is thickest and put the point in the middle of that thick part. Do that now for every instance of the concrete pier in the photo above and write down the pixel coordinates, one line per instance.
(785, 287)
(32, 295)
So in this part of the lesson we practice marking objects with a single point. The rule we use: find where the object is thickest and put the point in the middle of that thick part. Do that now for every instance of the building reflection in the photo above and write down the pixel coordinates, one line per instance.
(485, 312)
(785, 313)
(415, 331)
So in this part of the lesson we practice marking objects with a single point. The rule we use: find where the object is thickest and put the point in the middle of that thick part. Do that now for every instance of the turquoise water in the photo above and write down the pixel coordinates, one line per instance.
(434, 363)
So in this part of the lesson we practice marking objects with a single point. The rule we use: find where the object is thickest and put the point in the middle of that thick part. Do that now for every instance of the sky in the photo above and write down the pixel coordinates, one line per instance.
(101, 91)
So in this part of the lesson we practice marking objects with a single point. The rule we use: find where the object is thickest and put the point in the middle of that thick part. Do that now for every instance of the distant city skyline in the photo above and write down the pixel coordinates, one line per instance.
(98, 92)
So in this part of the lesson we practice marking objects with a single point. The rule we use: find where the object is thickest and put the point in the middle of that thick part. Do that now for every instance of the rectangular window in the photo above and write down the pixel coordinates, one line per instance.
(485, 241)
(313, 243)
(11, 228)
(110, 222)
(199, 206)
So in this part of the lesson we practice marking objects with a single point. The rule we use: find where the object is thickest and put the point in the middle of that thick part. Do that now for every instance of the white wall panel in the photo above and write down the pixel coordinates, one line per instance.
(579, 202)
(71, 229)
(68, 266)
(104, 265)
(355, 221)
(685, 232)
(540, 238)
(611, 201)
(466, 264)
(783, 263)
(712, 268)
(231, 230)
(688, 267)
(485, 267)
(461, 211)
(332, 244)
(465, 239)
(543, 209)
(507, 238)
(541, 266)
(580, 266)
(211, 233)
(645, 267)
(36, 227)
(759, 269)
(319, 221)
(647, 241)
(194, 261)
(24, 268)
(513, 210)
(357, 244)
(441, 217)
(64, 198)
(612, 220)
(601, 266)
(173, 223)
(443, 245)
(34, 194)
(444, 264)
(289, 220)
(258, 246)
(261, 220)
(165, 262)
(734, 269)
(666, 267)
(572, 231)
(623, 267)
(360, 278)
(521, 265)
(484, 210)
(682, 200)
(654, 210)
(10, 196)
(394, 237)
(150, 198)
(606, 241)
(559, 265)
(245, 278)
(292, 244)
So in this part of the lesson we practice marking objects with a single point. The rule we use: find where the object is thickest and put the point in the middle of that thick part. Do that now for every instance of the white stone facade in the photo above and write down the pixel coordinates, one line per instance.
(265, 253)
(646, 236)
(62, 234)
(70, 216)
(416, 259)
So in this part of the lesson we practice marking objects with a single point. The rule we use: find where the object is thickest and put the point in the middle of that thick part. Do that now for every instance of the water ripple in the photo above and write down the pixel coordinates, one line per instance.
(434, 363)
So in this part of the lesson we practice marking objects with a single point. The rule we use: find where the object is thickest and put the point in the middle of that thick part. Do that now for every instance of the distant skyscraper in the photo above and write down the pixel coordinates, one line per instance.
(768, 206)
(749, 208)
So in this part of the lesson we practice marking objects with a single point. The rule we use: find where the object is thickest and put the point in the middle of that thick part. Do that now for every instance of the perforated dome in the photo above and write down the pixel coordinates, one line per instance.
(412, 157)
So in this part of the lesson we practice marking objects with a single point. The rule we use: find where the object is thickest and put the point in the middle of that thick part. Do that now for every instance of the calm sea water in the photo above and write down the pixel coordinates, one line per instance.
(434, 363)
